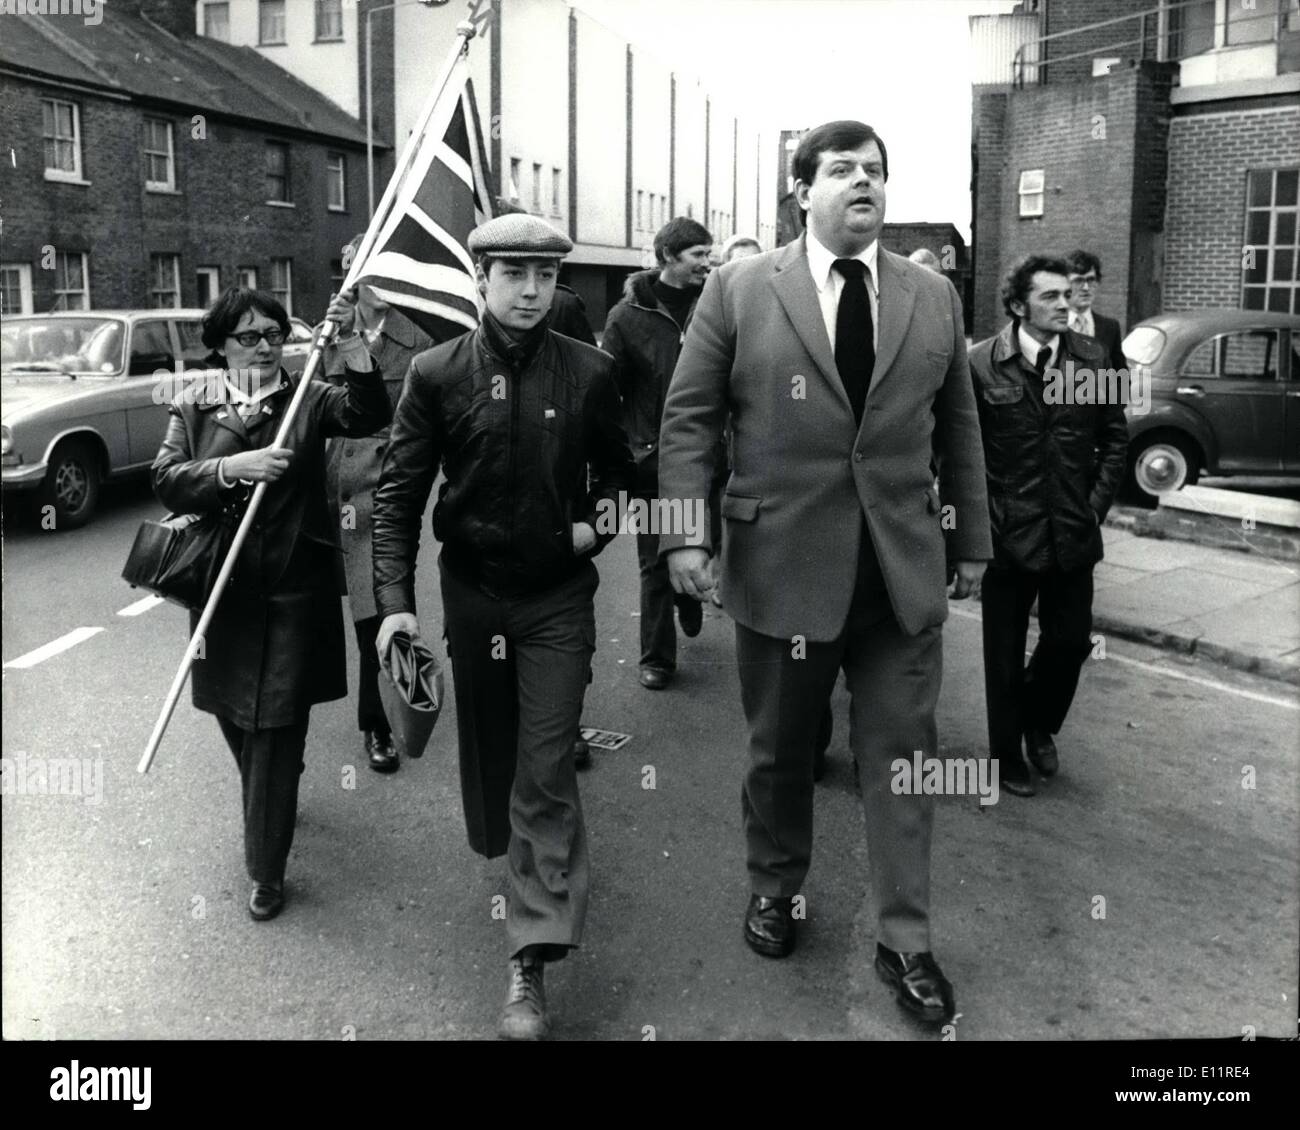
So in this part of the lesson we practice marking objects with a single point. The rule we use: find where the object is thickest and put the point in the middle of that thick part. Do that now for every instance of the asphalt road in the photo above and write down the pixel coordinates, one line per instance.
(126, 918)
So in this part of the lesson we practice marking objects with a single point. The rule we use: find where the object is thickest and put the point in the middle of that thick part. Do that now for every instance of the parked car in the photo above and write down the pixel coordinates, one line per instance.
(81, 402)
(1224, 391)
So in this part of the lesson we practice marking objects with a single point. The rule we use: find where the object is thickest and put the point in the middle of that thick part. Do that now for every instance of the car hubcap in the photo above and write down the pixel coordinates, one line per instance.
(70, 485)
(1161, 468)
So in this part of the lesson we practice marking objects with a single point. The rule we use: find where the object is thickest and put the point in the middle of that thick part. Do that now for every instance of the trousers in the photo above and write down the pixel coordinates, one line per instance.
(270, 765)
(370, 708)
(1037, 697)
(520, 666)
(658, 600)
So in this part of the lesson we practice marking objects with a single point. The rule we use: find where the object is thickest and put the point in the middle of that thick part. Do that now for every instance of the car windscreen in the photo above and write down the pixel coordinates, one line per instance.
(1143, 345)
(61, 345)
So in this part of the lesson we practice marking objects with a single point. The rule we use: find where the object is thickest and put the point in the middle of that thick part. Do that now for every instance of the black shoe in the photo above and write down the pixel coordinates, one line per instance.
(769, 926)
(1014, 776)
(690, 614)
(918, 983)
(655, 678)
(266, 901)
(581, 753)
(1042, 752)
(379, 748)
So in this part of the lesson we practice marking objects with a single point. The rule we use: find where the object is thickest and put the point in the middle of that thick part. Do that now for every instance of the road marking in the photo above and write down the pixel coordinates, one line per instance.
(1210, 684)
(142, 605)
(41, 654)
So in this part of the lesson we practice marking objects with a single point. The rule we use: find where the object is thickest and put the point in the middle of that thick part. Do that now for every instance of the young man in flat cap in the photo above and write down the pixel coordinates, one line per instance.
(517, 417)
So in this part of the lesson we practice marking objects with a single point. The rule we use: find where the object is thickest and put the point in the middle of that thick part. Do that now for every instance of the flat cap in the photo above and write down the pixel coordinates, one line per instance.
(518, 236)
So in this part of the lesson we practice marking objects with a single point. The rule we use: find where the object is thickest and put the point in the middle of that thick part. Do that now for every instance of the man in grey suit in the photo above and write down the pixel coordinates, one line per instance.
(843, 368)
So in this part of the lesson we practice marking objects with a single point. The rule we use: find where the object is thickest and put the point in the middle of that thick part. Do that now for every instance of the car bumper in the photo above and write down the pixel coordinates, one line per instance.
(27, 476)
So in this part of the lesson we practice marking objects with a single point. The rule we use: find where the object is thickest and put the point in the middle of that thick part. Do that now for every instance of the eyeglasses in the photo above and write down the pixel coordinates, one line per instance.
(250, 338)
(1084, 280)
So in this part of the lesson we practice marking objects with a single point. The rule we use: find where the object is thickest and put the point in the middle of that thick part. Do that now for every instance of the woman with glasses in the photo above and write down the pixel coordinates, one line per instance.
(275, 646)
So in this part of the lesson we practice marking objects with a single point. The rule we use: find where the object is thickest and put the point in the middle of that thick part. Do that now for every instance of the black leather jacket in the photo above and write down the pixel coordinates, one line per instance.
(516, 429)
(1053, 468)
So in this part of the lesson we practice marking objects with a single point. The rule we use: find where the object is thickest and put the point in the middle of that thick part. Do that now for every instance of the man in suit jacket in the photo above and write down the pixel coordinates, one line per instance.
(843, 368)
(1085, 282)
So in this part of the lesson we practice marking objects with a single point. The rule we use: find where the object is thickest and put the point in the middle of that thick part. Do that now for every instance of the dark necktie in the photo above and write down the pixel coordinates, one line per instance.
(855, 353)
(1044, 355)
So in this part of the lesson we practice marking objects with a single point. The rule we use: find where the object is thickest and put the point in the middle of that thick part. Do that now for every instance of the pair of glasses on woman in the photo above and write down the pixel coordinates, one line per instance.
(250, 338)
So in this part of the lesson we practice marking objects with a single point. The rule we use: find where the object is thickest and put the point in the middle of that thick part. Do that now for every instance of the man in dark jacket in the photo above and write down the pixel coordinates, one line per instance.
(644, 334)
(1085, 282)
(519, 419)
(1054, 447)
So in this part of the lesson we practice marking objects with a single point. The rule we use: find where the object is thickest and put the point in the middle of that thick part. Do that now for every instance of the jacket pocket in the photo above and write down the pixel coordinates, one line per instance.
(740, 507)
(1003, 394)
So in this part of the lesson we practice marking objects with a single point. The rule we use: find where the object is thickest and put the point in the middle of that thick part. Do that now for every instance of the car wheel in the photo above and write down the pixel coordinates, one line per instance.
(71, 485)
(1163, 463)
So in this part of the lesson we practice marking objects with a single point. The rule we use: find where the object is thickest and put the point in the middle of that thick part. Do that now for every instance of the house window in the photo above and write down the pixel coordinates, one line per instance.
(282, 282)
(164, 281)
(555, 192)
(61, 129)
(1269, 278)
(1031, 192)
(15, 288)
(515, 173)
(207, 283)
(329, 19)
(337, 178)
(216, 21)
(1251, 23)
(71, 281)
(640, 210)
(537, 187)
(160, 170)
(246, 277)
(277, 172)
(270, 22)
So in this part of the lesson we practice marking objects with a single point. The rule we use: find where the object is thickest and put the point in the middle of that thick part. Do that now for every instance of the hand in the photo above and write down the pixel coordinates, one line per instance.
(395, 622)
(262, 465)
(689, 572)
(584, 537)
(969, 576)
(343, 310)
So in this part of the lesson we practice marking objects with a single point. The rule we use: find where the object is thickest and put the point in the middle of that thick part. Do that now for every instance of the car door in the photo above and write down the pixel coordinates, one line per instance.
(1291, 443)
(151, 376)
(1231, 380)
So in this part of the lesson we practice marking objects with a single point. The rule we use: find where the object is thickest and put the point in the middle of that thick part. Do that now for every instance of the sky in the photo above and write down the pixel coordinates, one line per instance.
(900, 65)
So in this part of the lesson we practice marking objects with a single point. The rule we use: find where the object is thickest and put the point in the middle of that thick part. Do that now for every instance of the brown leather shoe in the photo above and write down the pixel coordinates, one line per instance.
(769, 926)
(918, 983)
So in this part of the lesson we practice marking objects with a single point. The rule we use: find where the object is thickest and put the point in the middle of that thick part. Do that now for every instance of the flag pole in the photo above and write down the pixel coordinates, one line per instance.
(466, 30)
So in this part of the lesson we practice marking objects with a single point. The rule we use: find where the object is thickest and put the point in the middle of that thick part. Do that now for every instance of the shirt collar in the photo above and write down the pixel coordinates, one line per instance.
(239, 396)
(1084, 322)
(1029, 347)
(821, 259)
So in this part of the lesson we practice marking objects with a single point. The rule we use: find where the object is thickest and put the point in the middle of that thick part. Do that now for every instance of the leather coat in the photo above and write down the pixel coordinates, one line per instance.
(1053, 468)
(275, 645)
(516, 429)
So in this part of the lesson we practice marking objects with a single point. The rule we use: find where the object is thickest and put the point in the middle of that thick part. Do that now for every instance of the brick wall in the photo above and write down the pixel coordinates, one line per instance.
(1100, 190)
(1209, 155)
(218, 216)
(1067, 15)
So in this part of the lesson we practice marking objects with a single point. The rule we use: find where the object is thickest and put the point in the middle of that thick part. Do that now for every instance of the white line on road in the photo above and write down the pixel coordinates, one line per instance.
(142, 605)
(74, 637)
(1211, 684)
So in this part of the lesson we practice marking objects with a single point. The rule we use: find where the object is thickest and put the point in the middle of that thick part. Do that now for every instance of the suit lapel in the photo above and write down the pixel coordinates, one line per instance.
(794, 286)
(894, 312)
(215, 402)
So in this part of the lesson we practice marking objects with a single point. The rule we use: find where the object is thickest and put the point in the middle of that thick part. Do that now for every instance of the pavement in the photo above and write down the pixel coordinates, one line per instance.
(1231, 606)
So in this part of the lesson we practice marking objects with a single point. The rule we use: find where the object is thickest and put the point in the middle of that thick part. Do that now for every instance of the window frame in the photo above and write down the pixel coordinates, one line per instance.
(75, 175)
(537, 188)
(1269, 283)
(246, 277)
(25, 300)
(555, 190)
(157, 259)
(211, 272)
(274, 145)
(319, 9)
(169, 185)
(1024, 193)
(516, 171)
(215, 5)
(342, 181)
(61, 293)
(1218, 353)
(287, 290)
(262, 8)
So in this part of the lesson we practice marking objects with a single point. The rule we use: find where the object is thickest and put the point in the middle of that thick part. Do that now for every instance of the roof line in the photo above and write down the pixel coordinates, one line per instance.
(71, 47)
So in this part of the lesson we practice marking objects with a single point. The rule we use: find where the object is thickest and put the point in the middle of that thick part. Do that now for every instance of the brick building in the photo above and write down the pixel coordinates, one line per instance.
(1163, 137)
(153, 168)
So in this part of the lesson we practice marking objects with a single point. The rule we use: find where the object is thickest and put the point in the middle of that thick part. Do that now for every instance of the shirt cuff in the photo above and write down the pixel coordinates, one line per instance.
(354, 353)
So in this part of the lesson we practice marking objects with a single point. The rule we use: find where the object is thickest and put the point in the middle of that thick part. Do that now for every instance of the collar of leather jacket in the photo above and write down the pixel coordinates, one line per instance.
(518, 354)
(211, 392)
(1083, 350)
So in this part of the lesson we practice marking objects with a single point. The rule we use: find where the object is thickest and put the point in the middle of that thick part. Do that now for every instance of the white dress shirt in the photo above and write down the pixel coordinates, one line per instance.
(830, 283)
(1083, 323)
(1029, 348)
